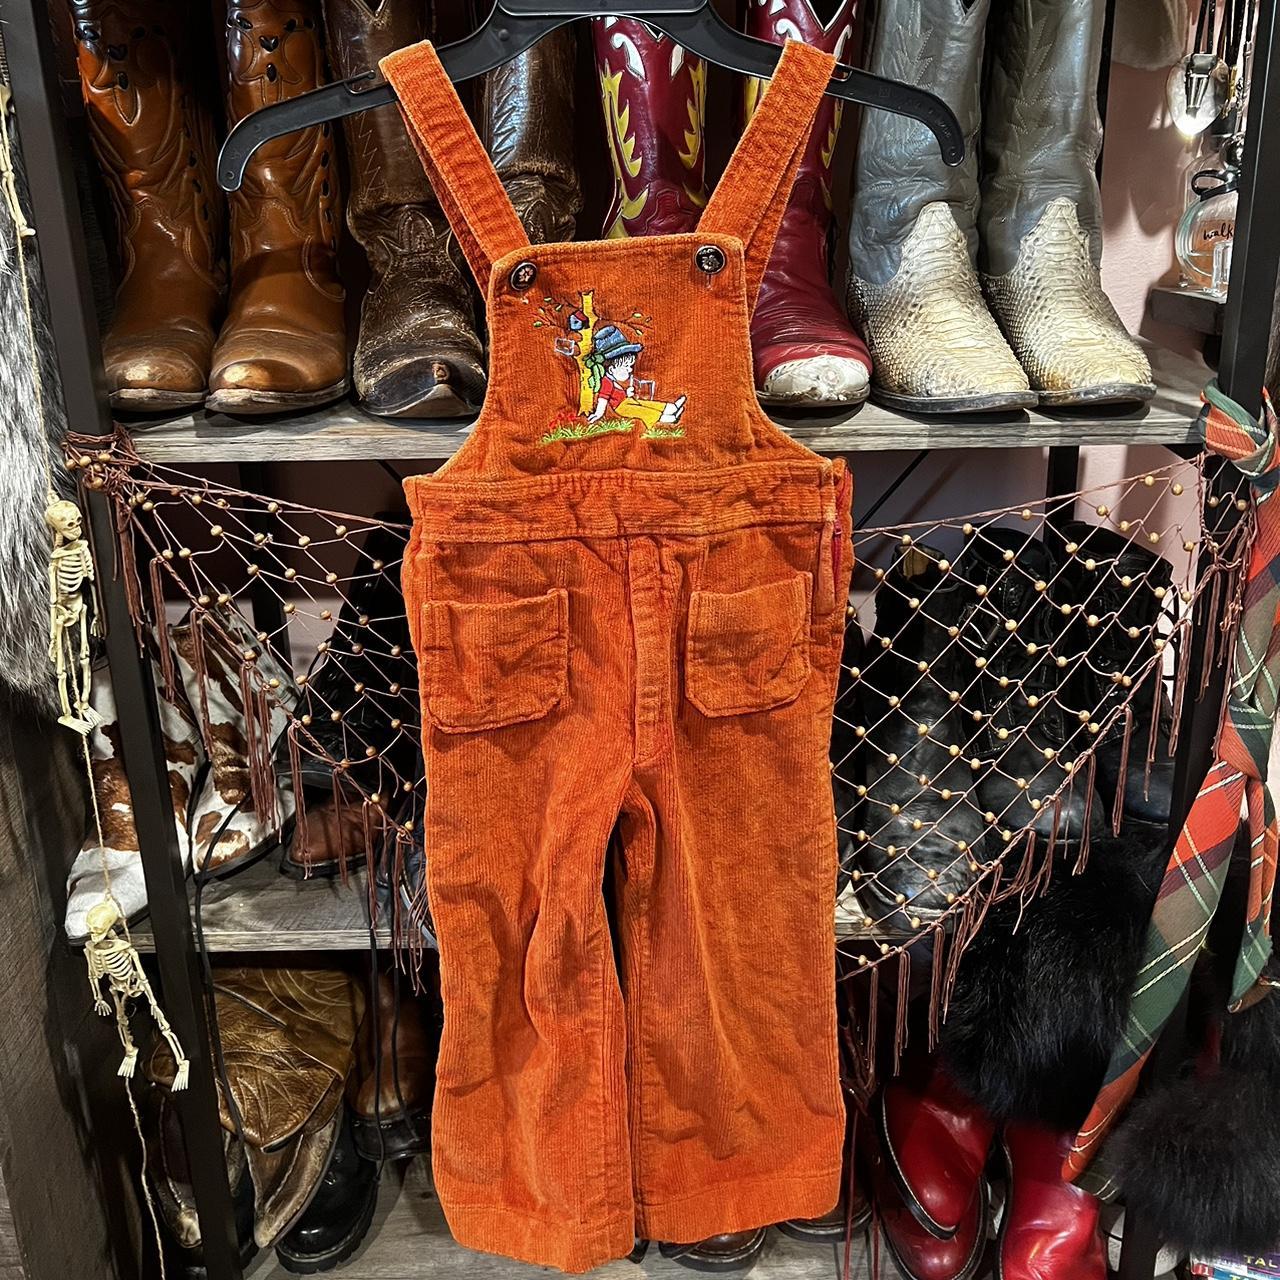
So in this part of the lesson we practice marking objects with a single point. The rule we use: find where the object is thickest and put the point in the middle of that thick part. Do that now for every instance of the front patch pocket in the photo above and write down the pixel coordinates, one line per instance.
(748, 650)
(490, 665)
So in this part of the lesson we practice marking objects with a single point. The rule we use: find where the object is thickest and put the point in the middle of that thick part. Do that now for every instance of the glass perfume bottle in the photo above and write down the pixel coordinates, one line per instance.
(1207, 229)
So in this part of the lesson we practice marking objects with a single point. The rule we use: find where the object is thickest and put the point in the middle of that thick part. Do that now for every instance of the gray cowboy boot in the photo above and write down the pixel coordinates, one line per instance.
(1041, 218)
(912, 235)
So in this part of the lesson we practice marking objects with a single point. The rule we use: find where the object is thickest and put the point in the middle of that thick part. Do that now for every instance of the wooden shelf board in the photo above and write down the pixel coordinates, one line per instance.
(1193, 309)
(409, 1240)
(343, 431)
(258, 909)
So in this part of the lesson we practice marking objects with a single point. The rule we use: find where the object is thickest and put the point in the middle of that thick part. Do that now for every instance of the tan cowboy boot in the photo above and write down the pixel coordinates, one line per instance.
(525, 110)
(417, 354)
(654, 98)
(1041, 217)
(283, 344)
(154, 143)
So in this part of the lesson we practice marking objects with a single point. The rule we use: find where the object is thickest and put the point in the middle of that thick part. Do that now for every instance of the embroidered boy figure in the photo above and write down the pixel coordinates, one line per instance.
(615, 358)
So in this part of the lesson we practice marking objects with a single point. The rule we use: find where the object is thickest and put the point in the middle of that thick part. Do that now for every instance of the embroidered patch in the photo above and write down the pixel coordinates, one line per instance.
(611, 400)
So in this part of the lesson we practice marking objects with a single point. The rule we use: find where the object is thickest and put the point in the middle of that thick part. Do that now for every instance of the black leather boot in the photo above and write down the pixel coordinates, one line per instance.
(734, 1251)
(921, 835)
(363, 696)
(1012, 625)
(1117, 591)
(337, 1219)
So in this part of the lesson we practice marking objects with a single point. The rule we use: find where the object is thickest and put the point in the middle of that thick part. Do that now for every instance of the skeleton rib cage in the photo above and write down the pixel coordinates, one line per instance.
(1050, 638)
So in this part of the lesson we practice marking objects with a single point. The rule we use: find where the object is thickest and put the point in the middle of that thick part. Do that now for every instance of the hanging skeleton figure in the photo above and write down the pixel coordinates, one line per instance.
(110, 955)
(70, 572)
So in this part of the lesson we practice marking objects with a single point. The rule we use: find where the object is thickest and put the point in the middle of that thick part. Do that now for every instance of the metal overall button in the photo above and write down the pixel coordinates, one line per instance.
(709, 258)
(522, 276)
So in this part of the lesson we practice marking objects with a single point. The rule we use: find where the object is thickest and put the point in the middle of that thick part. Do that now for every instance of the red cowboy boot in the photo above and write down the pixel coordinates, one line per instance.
(806, 351)
(654, 99)
(1050, 1228)
(919, 1254)
(936, 1141)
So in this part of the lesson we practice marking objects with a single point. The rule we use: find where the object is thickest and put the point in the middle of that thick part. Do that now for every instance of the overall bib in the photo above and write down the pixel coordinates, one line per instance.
(627, 594)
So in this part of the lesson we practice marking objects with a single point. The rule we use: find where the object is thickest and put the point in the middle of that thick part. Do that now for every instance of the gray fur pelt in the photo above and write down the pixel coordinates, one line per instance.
(26, 437)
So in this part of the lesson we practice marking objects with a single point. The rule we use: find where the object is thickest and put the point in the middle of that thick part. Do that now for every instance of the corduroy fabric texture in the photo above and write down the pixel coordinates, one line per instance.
(627, 593)
(1192, 886)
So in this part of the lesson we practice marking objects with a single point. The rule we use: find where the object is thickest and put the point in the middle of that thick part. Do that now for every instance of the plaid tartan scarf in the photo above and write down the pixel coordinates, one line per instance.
(1192, 884)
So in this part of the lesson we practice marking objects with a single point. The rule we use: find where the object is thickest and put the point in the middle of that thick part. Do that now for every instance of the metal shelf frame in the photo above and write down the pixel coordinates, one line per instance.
(56, 214)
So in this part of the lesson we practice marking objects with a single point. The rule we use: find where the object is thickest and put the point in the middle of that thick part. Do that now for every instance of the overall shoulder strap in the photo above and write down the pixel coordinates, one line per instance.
(461, 173)
(750, 198)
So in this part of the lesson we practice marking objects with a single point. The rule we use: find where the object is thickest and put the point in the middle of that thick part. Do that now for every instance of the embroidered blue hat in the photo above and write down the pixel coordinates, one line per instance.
(610, 343)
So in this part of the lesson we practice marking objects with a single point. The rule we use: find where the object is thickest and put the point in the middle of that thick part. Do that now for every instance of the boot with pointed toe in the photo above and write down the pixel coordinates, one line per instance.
(936, 1140)
(1116, 591)
(417, 354)
(654, 95)
(918, 1253)
(733, 1251)
(390, 1095)
(339, 1215)
(525, 110)
(153, 138)
(805, 351)
(1041, 214)
(913, 282)
(1011, 623)
(283, 345)
(921, 836)
(1050, 1228)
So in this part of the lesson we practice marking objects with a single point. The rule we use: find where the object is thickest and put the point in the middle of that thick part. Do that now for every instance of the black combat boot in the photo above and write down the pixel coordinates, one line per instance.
(1012, 630)
(921, 835)
(1117, 590)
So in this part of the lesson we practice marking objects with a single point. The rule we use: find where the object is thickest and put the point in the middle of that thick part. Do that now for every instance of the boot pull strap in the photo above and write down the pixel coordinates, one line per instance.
(459, 168)
(751, 196)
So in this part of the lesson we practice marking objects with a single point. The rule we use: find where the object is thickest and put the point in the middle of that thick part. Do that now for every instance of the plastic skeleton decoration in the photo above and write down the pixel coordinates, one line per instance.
(110, 955)
(70, 571)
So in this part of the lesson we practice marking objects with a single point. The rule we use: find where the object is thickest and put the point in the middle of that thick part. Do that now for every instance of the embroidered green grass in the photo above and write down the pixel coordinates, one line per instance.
(587, 430)
(657, 432)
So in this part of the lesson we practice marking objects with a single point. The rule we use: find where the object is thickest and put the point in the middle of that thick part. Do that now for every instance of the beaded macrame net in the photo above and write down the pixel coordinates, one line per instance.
(1012, 684)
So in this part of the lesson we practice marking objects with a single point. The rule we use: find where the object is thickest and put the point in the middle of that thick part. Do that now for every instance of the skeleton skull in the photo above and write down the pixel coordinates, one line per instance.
(101, 918)
(63, 518)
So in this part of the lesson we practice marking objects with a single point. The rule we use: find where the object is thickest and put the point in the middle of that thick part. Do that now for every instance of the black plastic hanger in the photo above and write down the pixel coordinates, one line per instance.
(516, 25)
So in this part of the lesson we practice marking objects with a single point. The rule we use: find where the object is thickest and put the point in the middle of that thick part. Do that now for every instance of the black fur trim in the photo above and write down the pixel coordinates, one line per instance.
(1039, 1006)
(1201, 1156)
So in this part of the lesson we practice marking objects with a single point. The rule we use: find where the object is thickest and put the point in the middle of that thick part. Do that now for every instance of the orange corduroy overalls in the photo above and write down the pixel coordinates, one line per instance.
(627, 593)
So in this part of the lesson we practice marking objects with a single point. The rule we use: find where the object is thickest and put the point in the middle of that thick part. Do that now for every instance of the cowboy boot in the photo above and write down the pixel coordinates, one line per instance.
(525, 110)
(283, 344)
(154, 142)
(921, 836)
(654, 97)
(1049, 1230)
(733, 1251)
(804, 349)
(87, 882)
(1041, 218)
(1116, 590)
(1012, 626)
(339, 1215)
(918, 1254)
(913, 287)
(329, 839)
(417, 353)
(391, 1093)
(242, 806)
(936, 1140)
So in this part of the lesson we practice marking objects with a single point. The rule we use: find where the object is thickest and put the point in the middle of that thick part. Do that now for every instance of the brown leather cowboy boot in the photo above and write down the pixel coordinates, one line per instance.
(154, 143)
(390, 1096)
(525, 111)
(417, 354)
(283, 345)
(654, 98)
(804, 349)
